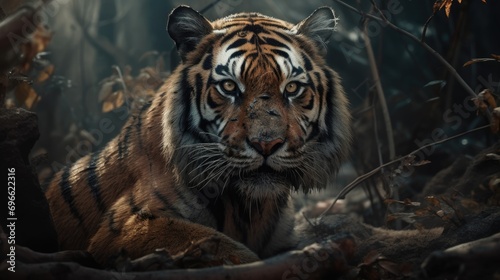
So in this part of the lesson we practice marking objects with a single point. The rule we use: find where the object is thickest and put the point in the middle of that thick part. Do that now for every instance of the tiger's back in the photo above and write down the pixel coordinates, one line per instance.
(252, 113)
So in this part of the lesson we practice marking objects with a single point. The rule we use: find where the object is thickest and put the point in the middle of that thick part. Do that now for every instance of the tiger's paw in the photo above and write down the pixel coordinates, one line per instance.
(166, 243)
(207, 252)
(214, 251)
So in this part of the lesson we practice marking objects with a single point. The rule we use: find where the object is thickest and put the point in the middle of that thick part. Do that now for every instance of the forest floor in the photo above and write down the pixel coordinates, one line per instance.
(451, 230)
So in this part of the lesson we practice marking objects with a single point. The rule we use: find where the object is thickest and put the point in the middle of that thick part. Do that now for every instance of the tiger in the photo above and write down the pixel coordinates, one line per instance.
(252, 114)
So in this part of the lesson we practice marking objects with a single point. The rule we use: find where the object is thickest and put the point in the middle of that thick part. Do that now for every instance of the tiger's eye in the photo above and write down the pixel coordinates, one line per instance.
(228, 86)
(291, 87)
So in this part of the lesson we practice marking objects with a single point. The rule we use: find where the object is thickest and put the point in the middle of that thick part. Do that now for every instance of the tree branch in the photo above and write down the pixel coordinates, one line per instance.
(322, 259)
(441, 59)
(365, 176)
(380, 93)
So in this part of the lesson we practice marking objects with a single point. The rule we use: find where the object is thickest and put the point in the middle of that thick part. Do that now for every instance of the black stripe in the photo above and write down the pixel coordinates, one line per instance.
(310, 82)
(198, 89)
(111, 222)
(67, 194)
(167, 205)
(307, 62)
(297, 70)
(321, 92)
(276, 69)
(255, 28)
(234, 22)
(276, 43)
(315, 131)
(208, 48)
(242, 67)
(207, 63)
(272, 25)
(123, 145)
(237, 54)
(329, 100)
(228, 36)
(186, 88)
(281, 53)
(250, 59)
(221, 69)
(216, 208)
(93, 181)
(237, 43)
(138, 125)
(133, 206)
(281, 203)
(304, 130)
(283, 36)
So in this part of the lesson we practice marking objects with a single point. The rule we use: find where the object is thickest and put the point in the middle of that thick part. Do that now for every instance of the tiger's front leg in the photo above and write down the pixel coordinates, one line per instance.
(140, 235)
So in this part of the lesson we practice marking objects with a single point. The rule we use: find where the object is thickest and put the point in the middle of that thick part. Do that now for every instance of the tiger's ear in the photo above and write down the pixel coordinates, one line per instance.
(319, 26)
(187, 27)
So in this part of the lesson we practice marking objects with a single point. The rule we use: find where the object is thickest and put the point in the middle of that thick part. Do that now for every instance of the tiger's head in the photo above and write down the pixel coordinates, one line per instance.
(254, 103)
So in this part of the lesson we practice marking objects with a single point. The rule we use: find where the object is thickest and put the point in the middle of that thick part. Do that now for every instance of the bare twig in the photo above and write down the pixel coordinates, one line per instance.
(441, 59)
(380, 93)
(426, 25)
(365, 176)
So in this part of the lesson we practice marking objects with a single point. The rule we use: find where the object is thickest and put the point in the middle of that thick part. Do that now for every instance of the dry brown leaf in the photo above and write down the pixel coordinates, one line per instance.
(469, 203)
(448, 7)
(476, 60)
(485, 100)
(371, 258)
(423, 212)
(38, 41)
(26, 95)
(434, 201)
(488, 96)
(45, 73)
(446, 4)
(390, 266)
(106, 90)
(115, 100)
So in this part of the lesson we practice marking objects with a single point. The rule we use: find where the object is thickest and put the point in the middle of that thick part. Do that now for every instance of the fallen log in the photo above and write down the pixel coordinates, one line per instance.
(317, 261)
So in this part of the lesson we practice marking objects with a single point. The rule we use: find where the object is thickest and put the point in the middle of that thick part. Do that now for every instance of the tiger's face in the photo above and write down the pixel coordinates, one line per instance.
(264, 108)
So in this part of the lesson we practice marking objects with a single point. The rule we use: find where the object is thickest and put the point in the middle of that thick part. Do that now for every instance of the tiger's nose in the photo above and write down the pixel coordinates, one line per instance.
(266, 148)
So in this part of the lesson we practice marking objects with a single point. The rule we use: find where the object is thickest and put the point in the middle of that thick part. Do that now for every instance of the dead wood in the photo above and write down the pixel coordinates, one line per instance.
(477, 259)
(317, 261)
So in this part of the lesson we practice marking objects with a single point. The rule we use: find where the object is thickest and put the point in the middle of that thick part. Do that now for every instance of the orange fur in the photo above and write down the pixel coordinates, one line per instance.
(200, 160)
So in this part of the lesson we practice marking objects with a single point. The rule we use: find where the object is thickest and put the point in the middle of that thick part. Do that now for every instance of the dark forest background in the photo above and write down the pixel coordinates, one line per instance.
(93, 62)
(422, 157)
